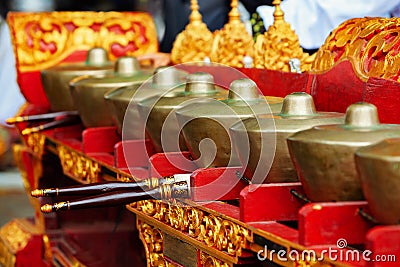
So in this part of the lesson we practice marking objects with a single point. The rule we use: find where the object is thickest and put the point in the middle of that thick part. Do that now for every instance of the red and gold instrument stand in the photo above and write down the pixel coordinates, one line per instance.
(261, 227)
(241, 228)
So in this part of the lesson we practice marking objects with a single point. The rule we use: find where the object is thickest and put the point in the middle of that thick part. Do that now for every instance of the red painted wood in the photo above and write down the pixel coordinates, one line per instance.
(68, 132)
(278, 229)
(72, 143)
(30, 83)
(270, 82)
(31, 87)
(165, 164)
(270, 202)
(223, 75)
(216, 184)
(278, 83)
(29, 109)
(99, 244)
(385, 95)
(102, 157)
(223, 208)
(325, 223)
(31, 253)
(100, 139)
(384, 242)
(139, 173)
(337, 88)
(133, 153)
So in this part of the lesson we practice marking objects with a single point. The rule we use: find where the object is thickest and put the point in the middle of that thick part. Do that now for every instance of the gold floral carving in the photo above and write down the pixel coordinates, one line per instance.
(371, 44)
(44, 39)
(124, 177)
(210, 261)
(16, 237)
(7, 258)
(35, 142)
(152, 239)
(233, 42)
(278, 45)
(76, 165)
(212, 230)
(195, 42)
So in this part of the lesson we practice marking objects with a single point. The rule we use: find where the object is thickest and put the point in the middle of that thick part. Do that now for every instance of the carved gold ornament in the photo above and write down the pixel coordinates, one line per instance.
(371, 44)
(152, 239)
(7, 259)
(210, 261)
(124, 177)
(44, 39)
(233, 42)
(278, 45)
(212, 230)
(195, 42)
(35, 142)
(78, 166)
(16, 237)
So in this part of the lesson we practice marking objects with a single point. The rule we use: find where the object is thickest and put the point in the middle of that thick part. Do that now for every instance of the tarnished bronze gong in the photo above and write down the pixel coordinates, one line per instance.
(88, 92)
(298, 113)
(55, 80)
(324, 155)
(124, 100)
(155, 110)
(378, 167)
(205, 125)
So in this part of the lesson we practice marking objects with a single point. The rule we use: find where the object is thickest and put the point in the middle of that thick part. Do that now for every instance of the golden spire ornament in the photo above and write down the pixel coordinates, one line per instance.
(279, 44)
(195, 42)
(233, 43)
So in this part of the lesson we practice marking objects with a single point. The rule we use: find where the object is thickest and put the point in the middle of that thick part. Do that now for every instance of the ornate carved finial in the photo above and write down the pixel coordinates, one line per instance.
(195, 16)
(195, 42)
(279, 45)
(278, 14)
(233, 42)
(234, 14)
(37, 193)
(46, 208)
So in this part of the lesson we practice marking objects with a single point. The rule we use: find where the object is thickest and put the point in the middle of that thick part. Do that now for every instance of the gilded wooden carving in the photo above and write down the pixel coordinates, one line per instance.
(195, 42)
(16, 237)
(209, 261)
(212, 230)
(278, 45)
(233, 42)
(7, 259)
(35, 142)
(78, 166)
(371, 44)
(152, 239)
(43, 39)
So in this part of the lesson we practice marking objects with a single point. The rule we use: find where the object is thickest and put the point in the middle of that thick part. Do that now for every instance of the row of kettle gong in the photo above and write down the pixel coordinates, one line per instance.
(318, 148)
(276, 140)
(337, 157)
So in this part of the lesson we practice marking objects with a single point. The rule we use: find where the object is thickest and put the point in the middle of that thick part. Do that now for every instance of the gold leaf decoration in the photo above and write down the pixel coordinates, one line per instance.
(43, 39)
(233, 42)
(372, 45)
(278, 45)
(195, 42)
